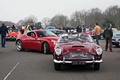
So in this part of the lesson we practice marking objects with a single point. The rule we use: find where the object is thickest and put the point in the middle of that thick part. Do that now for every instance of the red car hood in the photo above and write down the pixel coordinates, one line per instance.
(50, 38)
(79, 47)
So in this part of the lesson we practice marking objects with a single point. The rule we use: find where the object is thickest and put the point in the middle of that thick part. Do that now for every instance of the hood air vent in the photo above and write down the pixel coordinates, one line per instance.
(77, 46)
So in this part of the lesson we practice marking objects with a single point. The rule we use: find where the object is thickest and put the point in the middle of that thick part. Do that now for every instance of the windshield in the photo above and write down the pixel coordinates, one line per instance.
(116, 35)
(58, 31)
(50, 27)
(75, 37)
(13, 30)
(46, 34)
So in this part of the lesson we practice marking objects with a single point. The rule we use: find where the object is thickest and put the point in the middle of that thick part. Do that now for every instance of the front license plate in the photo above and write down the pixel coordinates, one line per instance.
(78, 63)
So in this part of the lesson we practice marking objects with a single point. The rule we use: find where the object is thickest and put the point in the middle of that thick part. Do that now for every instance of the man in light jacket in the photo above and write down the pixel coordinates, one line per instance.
(97, 32)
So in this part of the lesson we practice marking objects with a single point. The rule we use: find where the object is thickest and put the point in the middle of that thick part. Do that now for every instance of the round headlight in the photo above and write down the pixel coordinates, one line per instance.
(99, 51)
(58, 51)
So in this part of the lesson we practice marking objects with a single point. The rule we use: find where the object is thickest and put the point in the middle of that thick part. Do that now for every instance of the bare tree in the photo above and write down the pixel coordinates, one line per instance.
(29, 19)
(94, 15)
(59, 21)
(113, 12)
(20, 23)
(87, 18)
(78, 18)
(46, 21)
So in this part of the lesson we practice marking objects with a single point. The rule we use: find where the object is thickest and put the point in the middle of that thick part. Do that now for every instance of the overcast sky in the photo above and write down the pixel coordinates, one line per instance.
(15, 10)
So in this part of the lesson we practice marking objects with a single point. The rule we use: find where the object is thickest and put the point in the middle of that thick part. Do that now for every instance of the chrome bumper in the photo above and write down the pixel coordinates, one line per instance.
(94, 61)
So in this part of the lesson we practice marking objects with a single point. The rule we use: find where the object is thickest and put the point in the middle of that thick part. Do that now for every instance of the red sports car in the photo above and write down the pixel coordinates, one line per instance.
(12, 35)
(40, 40)
(77, 49)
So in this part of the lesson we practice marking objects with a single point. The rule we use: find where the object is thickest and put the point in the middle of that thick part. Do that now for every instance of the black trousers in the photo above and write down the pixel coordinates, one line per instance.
(108, 43)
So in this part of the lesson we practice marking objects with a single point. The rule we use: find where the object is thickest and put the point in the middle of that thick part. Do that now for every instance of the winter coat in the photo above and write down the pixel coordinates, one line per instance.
(108, 33)
(3, 30)
(79, 29)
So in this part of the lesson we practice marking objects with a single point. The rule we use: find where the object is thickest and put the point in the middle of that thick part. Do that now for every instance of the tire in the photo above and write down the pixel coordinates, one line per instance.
(96, 66)
(57, 66)
(117, 45)
(19, 45)
(46, 48)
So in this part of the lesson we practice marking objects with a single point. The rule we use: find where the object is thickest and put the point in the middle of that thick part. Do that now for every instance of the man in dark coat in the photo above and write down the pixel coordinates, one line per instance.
(79, 29)
(4, 31)
(32, 25)
(108, 33)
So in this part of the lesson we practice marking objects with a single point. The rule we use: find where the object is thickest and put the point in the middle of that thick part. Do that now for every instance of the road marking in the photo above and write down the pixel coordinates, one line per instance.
(11, 71)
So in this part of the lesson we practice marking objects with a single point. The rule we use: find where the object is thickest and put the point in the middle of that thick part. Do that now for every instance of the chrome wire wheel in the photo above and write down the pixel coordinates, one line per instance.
(46, 48)
(19, 45)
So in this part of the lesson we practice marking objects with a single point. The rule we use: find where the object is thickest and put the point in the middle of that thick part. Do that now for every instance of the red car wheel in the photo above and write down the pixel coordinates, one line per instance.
(46, 48)
(19, 45)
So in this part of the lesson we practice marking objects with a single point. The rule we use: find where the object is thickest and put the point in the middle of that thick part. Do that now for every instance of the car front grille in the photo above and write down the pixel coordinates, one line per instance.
(78, 56)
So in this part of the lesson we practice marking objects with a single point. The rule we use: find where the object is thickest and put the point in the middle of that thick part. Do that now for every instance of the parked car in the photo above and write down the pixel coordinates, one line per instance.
(114, 30)
(50, 28)
(58, 32)
(116, 39)
(77, 49)
(12, 34)
(40, 40)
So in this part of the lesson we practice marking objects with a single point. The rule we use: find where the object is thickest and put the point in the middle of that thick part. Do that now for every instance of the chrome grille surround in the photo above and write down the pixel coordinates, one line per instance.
(78, 55)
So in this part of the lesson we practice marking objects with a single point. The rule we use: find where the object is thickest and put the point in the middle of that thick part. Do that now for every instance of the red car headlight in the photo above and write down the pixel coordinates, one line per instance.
(99, 51)
(53, 41)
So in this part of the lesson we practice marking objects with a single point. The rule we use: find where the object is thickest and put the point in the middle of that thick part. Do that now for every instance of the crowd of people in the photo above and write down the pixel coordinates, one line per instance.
(107, 34)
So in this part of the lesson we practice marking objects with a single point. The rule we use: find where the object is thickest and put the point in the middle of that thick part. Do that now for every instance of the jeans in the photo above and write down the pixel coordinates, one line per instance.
(3, 41)
(97, 39)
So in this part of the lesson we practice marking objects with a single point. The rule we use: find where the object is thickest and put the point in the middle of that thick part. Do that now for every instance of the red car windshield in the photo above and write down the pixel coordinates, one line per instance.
(46, 34)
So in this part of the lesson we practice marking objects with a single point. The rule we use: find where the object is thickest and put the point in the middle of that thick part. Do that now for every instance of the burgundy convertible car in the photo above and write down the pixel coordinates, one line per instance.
(40, 40)
(77, 49)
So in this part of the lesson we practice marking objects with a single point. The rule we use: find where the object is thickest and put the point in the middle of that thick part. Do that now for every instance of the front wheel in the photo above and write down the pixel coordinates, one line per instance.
(19, 45)
(57, 66)
(96, 66)
(46, 48)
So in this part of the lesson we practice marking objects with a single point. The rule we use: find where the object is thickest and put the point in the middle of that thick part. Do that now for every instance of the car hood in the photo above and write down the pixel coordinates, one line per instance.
(12, 34)
(49, 38)
(116, 37)
(79, 47)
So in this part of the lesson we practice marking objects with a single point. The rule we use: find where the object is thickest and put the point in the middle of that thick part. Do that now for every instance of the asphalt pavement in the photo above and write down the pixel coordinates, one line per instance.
(33, 65)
